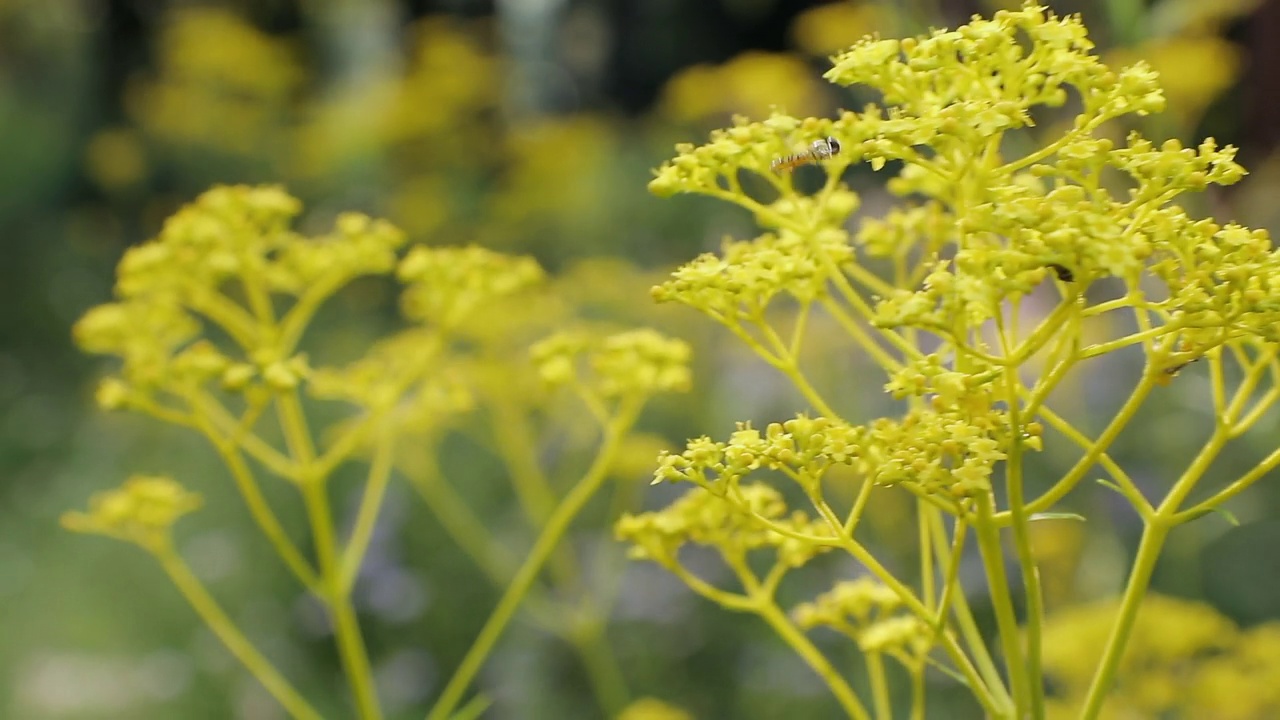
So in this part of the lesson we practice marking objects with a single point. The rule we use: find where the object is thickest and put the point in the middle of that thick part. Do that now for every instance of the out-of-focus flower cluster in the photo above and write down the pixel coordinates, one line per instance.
(866, 611)
(1184, 661)
(220, 84)
(653, 709)
(226, 260)
(445, 287)
(224, 266)
(627, 364)
(141, 511)
(751, 83)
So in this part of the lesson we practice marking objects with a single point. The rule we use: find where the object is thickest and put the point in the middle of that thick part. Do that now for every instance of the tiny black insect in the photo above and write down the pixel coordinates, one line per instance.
(1063, 272)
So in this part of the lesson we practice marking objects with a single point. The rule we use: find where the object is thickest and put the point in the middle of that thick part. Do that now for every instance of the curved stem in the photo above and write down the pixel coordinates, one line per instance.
(1077, 471)
(375, 490)
(1006, 620)
(1144, 564)
(555, 529)
(801, 645)
(879, 686)
(260, 509)
(1153, 537)
(351, 649)
(1021, 535)
(605, 676)
(986, 666)
(226, 631)
(1256, 473)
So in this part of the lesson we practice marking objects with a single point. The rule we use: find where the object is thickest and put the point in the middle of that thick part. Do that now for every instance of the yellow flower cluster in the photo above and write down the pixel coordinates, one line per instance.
(229, 236)
(228, 259)
(982, 78)
(740, 283)
(141, 511)
(803, 448)
(209, 319)
(407, 372)
(627, 364)
(948, 96)
(220, 83)
(446, 286)
(1184, 661)
(865, 610)
(731, 527)
(950, 448)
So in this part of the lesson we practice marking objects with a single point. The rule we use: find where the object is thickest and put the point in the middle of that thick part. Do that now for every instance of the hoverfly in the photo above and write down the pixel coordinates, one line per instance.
(818, 151)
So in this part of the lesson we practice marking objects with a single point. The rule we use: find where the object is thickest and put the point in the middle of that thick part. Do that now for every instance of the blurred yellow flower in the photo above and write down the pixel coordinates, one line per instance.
(219, 83)
(750, 84)
(115, 158)
(1057, 546)
(1243, 684)
(653, 709)
(141, 511)
(826, 29)
(553, 179)
(1184, 661)
(1194, 70)
(450, 79)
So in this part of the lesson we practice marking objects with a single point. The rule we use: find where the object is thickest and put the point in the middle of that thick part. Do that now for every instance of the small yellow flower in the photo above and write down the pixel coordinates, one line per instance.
(142, 511)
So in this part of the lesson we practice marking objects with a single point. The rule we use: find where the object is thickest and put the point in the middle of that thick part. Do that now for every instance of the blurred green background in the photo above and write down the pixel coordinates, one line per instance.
(527, 127)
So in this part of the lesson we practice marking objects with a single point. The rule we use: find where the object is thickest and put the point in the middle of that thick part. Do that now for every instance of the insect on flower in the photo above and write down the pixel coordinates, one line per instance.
(818, 151)
(1063, 272)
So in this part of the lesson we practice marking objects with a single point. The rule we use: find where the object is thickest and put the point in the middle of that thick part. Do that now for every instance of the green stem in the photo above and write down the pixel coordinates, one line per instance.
(1022, 539)
(1153, 538)
(879, 686)
(261, 511)
(968, 627)
(518, 455)
(516, 447)
(606, 678)
(1006, 620)
(355, 660)
(1099, 446)
(909, 599)
(469, 533)
(457, 519)
(917, 692)
(1256, 473)
(557, 525)
(375, 490)
(235, 641)
(801, 645)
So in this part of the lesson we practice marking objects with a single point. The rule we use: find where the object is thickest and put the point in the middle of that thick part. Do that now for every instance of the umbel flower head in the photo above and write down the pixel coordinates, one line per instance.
(222, 297)
(445, 286)
(706, 519)
(864, 609)
(225, 262)
(995, 226)
(949, 448)
(141, 511)
(632, 363)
